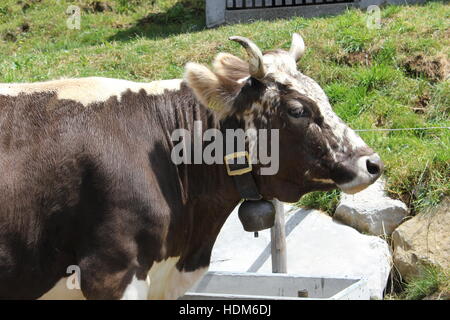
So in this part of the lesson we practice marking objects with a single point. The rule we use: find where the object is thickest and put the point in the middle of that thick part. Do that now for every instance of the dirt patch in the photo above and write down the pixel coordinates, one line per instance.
(97, 6)
(421, 103)
(27, 4)
(24, 27)
(25, 7)
(434, 68)
(117, 25)
(10, 36)
(381, 121)
(355, 58)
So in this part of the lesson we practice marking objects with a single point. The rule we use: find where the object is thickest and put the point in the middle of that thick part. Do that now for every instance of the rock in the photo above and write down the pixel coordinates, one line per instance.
(424, 239)
(317, 246)
(371, 210)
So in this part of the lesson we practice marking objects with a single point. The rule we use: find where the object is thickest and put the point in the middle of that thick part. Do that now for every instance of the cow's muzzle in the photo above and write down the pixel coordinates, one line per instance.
(364, 171)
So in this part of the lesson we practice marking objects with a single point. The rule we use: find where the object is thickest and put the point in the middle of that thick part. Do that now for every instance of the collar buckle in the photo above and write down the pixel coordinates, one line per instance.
(234, 168)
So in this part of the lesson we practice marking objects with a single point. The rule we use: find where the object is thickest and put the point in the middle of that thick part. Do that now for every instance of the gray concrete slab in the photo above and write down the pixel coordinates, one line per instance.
(215, 13)
(247, 15)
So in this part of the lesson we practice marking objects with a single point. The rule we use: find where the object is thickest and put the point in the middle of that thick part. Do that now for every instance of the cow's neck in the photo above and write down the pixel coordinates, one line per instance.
(200, 180)
(208, 193)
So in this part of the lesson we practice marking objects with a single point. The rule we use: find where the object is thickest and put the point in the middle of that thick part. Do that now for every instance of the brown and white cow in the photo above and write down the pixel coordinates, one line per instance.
(86, 177)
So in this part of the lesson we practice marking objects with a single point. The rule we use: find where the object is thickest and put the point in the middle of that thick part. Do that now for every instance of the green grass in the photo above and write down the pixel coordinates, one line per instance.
(370, 75)
(432, 281)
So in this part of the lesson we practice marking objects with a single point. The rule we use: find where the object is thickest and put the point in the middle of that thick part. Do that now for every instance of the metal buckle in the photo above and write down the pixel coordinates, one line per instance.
(239, 171)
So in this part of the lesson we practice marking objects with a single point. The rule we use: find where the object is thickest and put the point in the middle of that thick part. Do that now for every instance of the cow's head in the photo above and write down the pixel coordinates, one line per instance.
(318, 151)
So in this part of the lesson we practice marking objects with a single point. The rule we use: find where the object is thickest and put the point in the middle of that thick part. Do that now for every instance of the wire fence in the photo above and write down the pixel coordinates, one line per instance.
(402, 129)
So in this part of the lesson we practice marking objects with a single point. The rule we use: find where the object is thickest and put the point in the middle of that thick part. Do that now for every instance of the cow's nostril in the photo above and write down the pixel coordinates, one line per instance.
(373, 166)
(367, 168)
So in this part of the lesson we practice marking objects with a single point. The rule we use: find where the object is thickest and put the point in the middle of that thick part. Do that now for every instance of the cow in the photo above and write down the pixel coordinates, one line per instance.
(87, 179)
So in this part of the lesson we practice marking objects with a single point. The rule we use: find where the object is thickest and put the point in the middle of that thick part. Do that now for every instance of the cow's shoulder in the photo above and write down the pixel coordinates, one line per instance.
(90, 89)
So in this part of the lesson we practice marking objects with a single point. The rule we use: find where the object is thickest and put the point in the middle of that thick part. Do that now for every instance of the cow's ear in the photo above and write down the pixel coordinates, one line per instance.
(231, 67)
(213, 90)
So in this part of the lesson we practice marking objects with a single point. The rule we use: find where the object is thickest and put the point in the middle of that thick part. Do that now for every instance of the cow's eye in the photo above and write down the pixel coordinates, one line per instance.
(298, 112)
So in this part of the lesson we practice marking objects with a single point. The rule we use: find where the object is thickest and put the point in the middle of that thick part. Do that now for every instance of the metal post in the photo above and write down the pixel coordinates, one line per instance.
(278, 240)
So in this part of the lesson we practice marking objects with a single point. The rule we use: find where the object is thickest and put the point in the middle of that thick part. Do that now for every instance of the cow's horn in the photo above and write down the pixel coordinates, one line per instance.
(256, 65)
(297, 46)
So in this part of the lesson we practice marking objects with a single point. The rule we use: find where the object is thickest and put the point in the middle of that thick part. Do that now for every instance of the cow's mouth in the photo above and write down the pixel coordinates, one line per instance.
(324, 184)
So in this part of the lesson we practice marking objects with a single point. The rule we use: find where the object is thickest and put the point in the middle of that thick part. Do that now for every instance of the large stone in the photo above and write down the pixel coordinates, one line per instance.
(371, 210)
(424, 239)
(316, 246)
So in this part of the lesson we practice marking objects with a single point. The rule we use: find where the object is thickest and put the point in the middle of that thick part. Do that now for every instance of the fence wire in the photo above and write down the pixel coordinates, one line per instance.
(401, 129)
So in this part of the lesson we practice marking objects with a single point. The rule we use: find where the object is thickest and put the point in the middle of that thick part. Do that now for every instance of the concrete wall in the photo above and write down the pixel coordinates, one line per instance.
(217, 14)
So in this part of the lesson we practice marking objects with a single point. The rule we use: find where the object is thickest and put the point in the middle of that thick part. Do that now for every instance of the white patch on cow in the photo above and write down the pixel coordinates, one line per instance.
(60, 291)
(137, 289)
(243, 80)
(252, 134)
(164, 282)
(89, 90)
(362, 180)
(167, 282)
(340, 130)
(355, 140)
(279, 63)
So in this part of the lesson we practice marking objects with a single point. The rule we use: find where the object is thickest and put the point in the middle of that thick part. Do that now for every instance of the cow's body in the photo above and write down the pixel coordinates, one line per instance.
(87, 179)
(95, 187)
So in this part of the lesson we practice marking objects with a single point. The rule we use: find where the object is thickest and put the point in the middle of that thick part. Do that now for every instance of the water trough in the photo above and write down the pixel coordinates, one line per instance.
(275, 286)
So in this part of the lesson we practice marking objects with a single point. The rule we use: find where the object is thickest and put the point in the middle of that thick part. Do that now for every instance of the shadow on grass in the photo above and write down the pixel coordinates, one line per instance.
(186, 16)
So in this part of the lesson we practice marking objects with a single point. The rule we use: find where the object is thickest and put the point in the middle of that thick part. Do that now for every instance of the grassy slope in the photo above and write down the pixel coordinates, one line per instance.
(370, 76)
